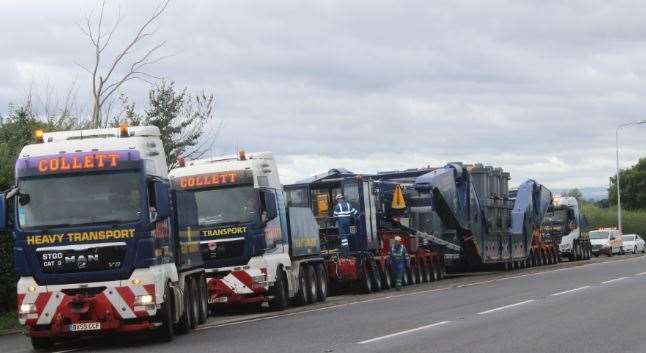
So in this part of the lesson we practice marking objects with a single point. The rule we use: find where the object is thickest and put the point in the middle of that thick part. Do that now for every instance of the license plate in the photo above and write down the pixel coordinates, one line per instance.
(85, 326)
(218, 300)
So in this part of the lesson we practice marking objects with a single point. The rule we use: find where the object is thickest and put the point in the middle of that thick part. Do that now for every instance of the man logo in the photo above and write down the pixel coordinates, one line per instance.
(81, 261)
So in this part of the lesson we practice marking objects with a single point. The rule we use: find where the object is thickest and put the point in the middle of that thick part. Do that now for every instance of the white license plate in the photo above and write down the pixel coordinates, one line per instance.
(85, 326)
(218, 300)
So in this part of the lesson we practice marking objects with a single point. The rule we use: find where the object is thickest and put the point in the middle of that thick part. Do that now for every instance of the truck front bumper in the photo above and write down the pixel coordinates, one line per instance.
(66, 310)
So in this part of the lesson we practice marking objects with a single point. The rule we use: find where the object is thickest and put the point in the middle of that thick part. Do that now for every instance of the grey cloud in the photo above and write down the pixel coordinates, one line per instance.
(536, 87)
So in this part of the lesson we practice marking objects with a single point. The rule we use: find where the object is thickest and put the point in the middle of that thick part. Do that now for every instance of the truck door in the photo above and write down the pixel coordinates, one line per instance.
(358, 193)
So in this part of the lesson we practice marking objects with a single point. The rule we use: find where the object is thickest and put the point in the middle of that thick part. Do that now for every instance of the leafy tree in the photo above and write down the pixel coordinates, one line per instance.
(16, 131)
(633, 187)
(576, 193)
(182, 119)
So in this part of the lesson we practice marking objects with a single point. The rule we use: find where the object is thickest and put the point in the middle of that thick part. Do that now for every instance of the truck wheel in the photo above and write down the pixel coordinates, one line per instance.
(312, 284)
(301, 297)
(366, 283)
(386, 280)
(204, 300)
(165, 316)
(195, 303)
(321, 289)
(279, 292)
(42, 343)
(184, 325)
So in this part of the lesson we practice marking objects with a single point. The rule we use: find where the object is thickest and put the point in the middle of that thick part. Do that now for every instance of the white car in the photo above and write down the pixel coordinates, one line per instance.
(633, 243)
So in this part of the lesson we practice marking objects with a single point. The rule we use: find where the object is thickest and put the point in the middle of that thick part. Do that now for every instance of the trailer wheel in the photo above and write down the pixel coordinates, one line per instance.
(435, 273)
(165, 316)
(301, 297)
(426, 272)
(312, 284)
(366, 282)
(321, 277)
(377, 284)
(279, 292)
(386, 280)
(184, 325)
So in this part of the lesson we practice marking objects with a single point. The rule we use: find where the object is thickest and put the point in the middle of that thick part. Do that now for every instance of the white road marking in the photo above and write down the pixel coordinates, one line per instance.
(404, 332)
(239, 322)
(571, 290)
(614, 280)
(641, 274)
(205, 327)
(505, 307)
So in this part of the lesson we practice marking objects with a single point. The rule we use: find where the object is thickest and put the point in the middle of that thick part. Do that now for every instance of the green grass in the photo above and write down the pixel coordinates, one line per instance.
(632, 221)
(9, 321)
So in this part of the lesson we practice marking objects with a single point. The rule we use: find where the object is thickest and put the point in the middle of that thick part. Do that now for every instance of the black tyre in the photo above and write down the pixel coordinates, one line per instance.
(204, 300)
(365, 284)
(279, 292)
(165, 332)
(435, 272)
(312, 284)
(376, 278)
(195, 303)
(386, 279)
(415, 273)
(42, 343)
(321, 289)
(426, 272)
(301, 296)
(184, 325)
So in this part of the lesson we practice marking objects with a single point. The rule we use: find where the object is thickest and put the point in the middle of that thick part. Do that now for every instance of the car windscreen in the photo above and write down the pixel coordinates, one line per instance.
(599, 235)
(629, 238)
(83, 199)
(212, 207)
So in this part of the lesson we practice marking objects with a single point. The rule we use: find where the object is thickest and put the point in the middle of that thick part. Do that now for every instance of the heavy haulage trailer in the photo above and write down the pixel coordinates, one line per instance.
(96, 244)
(495, 227)
(255, 249)
(383, 214)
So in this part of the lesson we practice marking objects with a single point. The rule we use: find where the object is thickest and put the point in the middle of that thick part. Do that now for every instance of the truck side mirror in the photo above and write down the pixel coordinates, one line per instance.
(3, 212)
(162, 200)
(270, 204)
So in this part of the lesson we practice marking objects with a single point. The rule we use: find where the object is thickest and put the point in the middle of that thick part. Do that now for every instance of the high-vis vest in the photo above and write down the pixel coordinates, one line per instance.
(344, 209)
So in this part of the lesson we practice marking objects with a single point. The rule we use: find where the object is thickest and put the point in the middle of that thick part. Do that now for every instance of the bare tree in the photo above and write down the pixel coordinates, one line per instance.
(125, 65)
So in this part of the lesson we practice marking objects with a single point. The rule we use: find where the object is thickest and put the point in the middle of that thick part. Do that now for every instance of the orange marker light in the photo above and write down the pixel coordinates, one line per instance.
(123, 129)
(39, 135)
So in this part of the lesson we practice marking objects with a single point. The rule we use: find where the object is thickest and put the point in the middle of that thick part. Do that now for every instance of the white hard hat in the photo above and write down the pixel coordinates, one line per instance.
(339, 196)
(398, 238)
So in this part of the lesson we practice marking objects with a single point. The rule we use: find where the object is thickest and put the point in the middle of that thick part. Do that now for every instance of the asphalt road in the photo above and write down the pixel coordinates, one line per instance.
(591, 306)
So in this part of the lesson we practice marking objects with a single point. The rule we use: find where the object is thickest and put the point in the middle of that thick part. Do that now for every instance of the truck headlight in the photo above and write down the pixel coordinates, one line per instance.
(144, 299)
(27, 308)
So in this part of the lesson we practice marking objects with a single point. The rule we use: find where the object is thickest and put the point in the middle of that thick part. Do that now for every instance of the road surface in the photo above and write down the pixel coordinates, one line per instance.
(590, 306)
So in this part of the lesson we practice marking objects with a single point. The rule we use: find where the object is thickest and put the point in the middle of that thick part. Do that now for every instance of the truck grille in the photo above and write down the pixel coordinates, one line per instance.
(223, 250)
(68, 259)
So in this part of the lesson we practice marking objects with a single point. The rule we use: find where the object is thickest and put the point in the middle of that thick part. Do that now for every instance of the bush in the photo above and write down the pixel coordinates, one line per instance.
(632, 221)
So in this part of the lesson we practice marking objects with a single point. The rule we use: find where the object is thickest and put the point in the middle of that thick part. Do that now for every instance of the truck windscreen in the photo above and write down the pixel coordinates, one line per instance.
(209, 207)
(73, 200)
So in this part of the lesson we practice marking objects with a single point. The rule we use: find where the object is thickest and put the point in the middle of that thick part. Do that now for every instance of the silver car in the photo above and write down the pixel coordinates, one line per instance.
(633, 243)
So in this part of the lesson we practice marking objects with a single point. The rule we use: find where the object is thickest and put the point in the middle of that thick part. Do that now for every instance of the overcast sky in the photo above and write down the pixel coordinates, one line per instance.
(535, 87)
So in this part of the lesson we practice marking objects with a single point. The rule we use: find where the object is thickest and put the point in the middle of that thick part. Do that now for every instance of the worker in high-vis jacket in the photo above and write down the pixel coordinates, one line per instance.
(398, 261)
(344, 214)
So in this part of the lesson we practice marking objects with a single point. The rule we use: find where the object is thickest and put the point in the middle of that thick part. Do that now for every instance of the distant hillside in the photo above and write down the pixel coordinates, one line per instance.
(594, 193)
